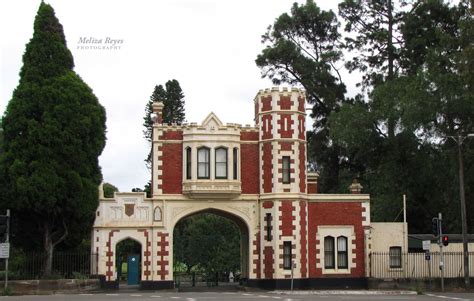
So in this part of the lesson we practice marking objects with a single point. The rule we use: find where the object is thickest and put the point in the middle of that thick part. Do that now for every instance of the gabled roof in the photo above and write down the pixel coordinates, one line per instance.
(212, 121)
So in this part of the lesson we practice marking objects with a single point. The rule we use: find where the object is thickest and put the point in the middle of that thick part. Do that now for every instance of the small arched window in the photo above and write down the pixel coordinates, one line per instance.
(203, 163)
(188, 163)
(342, 252)
(221, 163)
(235, 154)
(329, 260)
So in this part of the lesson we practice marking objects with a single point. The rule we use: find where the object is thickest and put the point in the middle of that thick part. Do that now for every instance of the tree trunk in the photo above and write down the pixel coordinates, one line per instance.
(391, 57)
(48, 247)
(49, 244)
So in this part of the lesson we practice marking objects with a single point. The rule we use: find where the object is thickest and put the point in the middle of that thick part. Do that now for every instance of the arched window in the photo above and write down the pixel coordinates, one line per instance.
(342, 252)
(157, 216)
(235, 162)
(188, 163)
(221, 163)
(203, 163)
(329, 262)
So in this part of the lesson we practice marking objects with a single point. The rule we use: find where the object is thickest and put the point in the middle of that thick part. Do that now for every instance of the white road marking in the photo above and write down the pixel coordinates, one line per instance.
(276, 297)
(444, 297)
(175, 297)
(111, 294)
(136, 295)
(245, 294)
(86, 294)
(155, 296)
(263, 296)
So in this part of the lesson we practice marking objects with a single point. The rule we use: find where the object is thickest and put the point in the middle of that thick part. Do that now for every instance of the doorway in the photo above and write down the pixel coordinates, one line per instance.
(128, 265)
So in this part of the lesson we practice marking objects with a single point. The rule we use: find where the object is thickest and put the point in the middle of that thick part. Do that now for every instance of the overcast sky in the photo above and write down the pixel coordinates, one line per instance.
(208, 46)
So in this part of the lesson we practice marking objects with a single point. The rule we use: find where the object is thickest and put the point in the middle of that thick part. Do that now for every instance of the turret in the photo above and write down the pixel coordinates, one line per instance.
(280, 115)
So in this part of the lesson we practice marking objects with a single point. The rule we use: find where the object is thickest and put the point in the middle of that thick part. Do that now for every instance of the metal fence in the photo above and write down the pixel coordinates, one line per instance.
(417, 265)
(28, 266)
(194, 279)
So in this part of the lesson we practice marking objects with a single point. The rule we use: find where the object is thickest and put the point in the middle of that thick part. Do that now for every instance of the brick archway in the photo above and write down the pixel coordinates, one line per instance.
(243, 226)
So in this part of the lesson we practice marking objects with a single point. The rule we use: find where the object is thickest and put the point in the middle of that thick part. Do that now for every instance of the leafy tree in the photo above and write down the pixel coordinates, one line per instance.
(303, 48)
(419, 94)
(416, 60)
(54, 131)
(109, 190)
(207, 242)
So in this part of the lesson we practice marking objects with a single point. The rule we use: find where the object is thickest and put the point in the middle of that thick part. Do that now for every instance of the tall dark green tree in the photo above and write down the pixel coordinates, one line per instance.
(54, 132)
(302, 48)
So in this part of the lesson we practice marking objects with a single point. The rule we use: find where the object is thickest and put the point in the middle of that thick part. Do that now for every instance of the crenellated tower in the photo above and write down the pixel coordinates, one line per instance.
(280, 116)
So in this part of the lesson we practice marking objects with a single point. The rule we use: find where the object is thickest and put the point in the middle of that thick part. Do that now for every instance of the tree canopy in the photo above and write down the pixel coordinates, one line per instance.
(54, 132)
(415, 63)
(302, 48)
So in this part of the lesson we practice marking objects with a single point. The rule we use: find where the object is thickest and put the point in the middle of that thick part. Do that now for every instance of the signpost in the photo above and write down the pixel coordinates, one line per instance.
(5, 247)
(426, 245)
(4, 250)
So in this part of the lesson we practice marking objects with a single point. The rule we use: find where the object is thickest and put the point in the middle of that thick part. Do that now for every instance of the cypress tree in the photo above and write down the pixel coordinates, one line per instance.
(54, 132)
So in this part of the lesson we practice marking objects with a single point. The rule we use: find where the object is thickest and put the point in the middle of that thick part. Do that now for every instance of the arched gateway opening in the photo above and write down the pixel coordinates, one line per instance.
(210, 248)
(128, 262)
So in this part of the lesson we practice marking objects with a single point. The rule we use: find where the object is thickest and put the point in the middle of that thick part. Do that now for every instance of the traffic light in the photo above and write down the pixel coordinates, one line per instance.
(445, 240)
(435, 226)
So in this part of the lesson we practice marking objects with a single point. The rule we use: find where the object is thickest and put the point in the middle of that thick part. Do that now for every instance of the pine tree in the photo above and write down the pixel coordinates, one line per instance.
(302, 48)
(54, 132)
(173, 110)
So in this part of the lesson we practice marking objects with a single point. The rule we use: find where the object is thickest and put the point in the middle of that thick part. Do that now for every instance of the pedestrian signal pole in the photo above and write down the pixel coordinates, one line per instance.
(440, 244)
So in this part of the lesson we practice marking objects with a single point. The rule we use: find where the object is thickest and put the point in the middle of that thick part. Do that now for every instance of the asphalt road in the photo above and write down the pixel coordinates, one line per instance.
(232, 296)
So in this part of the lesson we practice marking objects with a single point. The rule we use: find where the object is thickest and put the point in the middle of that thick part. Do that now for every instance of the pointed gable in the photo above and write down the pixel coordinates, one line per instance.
(212, 122)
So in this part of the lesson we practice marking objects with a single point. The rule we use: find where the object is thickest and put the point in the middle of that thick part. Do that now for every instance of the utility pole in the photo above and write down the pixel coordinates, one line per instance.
(440, 244)
(459, 140)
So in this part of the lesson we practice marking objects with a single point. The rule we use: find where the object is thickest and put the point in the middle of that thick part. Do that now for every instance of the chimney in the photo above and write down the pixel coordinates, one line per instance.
(158, 110)
(355, 187)
(312, 182)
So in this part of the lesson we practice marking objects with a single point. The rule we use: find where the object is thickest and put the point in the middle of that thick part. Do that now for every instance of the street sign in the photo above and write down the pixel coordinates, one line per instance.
(426, 245)
(4, 250)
